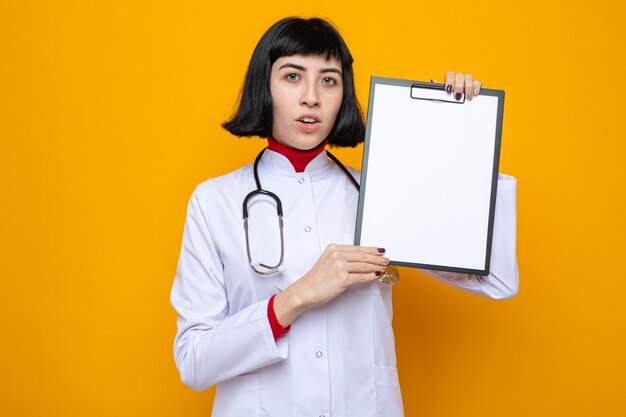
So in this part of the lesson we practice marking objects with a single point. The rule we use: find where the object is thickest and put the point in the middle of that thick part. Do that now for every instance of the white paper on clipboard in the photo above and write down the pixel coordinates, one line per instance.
(429, 179)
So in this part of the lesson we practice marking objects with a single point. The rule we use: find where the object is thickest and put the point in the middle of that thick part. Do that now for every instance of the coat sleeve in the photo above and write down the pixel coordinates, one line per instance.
(211, 345)
(503, 279)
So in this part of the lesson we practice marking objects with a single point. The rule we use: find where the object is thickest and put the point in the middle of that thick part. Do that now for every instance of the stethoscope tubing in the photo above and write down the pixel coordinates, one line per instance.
(270, 269)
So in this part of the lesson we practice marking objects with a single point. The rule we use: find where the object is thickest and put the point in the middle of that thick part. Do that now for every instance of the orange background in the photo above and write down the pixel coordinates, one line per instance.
(110, 115)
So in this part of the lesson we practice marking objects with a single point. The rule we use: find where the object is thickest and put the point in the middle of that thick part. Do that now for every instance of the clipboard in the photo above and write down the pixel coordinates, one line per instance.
(430, 175)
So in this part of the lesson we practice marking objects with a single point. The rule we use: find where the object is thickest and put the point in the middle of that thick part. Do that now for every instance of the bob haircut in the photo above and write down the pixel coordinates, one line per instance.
(291, 36)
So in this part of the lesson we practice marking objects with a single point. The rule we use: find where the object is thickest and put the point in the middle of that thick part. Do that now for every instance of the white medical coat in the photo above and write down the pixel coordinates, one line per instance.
(338, 359)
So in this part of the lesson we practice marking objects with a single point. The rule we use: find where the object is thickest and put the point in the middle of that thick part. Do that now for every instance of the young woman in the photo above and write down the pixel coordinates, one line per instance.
(236, 304)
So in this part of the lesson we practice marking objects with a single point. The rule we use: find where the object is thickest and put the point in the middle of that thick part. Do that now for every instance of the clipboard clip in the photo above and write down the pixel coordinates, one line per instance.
(433, 92)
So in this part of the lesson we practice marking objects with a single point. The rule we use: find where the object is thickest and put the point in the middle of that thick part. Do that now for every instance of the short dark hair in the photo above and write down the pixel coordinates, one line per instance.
(291, 36)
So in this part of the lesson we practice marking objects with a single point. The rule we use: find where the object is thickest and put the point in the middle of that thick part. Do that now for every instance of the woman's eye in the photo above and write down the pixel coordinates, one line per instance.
(292, 77)
(328, 81)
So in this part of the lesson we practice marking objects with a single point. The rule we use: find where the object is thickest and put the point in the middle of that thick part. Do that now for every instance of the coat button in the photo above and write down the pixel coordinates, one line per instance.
(300, 180)
(307, 229)
(319, 353)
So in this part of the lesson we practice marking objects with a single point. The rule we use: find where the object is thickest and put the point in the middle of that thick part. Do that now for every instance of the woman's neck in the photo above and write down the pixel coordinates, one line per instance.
(298, 158)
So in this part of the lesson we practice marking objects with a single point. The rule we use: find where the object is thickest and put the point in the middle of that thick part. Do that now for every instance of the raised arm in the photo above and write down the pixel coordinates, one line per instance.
(503, 279)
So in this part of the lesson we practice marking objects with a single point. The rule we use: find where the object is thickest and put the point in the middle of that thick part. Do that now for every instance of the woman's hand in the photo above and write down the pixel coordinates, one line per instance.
(459, 83)
(339, 267)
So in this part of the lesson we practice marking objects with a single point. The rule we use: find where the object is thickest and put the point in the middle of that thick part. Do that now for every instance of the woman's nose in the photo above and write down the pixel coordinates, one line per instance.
(310, 95)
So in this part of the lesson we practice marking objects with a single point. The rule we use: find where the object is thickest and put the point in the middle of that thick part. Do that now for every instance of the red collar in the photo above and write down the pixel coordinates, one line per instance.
(298, 158)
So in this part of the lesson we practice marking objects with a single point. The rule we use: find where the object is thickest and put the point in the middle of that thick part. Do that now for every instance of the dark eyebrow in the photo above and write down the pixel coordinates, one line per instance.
(288, 65)
(301, 68)
(335, 70)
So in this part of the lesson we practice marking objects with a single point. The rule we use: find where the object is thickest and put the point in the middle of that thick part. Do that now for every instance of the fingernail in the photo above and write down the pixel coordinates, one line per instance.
(381, 250)
(378, 273)
(458, 96)
(449, 88)
(386, 260)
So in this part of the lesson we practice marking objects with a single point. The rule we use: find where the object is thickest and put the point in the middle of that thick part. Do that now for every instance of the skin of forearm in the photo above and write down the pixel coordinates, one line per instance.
(289, 304)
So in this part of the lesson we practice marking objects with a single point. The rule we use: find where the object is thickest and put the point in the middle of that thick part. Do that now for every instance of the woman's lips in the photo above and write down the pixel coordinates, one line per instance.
(308, 127)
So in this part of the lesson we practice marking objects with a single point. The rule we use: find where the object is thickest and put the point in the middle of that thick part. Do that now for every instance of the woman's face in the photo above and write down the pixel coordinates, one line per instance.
(306, 93)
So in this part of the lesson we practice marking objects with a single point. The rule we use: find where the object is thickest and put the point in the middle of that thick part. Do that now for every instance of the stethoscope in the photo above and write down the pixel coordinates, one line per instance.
(261, 268)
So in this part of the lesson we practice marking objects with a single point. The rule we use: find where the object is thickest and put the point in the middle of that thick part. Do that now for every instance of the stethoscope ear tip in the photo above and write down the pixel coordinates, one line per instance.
(281, 268)
(255, 263)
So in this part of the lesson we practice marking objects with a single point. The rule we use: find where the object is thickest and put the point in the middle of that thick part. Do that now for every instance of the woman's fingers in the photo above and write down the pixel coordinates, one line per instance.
(376, 259)
(360, 260)
(477, 86)
(469, 87)
(362, 267)
(357, 278)
(352, 248)
(449, 81)
(459, 85)
(357, 259)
